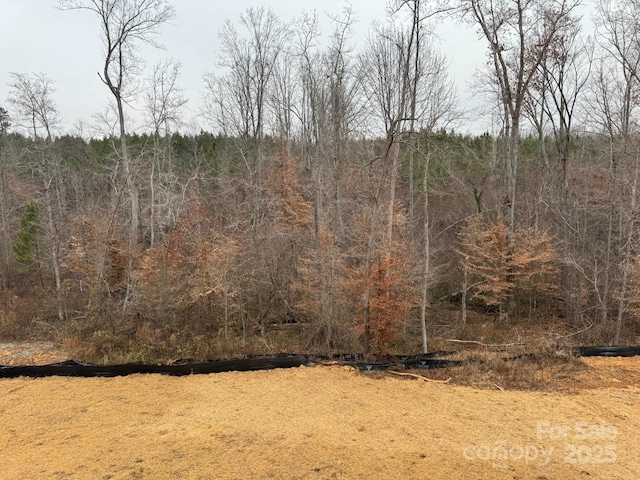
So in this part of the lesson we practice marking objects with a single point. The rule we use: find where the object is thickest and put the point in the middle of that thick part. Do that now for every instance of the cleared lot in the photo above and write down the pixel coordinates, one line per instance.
(317, 423)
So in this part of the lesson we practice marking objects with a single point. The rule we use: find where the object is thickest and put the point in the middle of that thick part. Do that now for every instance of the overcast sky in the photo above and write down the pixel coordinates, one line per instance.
(66, 46)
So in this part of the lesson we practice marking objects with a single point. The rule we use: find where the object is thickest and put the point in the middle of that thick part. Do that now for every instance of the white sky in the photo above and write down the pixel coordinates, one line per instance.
(66, 46)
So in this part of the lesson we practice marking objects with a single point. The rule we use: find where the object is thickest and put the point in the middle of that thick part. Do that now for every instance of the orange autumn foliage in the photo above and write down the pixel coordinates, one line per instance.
(292, 211)
(525, 260)
(97, 254)
(195, 263)
(384, 299)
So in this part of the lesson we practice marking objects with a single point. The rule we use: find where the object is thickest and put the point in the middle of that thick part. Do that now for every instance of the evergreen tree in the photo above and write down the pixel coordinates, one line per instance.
(4, 121)
(27, 235)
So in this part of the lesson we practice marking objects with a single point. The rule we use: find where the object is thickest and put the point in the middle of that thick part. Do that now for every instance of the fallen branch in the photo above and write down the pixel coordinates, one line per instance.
(414, 375)
(488, 345)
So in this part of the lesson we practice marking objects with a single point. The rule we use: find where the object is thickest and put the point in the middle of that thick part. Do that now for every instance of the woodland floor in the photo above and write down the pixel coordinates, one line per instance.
(321, 422)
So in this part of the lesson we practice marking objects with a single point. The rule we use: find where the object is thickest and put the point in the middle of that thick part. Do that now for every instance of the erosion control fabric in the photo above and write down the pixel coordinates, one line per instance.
(73, 368)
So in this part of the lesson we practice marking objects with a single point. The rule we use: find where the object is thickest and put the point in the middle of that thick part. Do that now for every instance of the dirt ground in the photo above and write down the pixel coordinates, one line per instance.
(321, 422)
(30, 353)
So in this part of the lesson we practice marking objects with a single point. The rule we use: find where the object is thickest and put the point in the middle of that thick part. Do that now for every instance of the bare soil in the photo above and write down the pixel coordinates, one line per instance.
(30, 353)
(320, 422)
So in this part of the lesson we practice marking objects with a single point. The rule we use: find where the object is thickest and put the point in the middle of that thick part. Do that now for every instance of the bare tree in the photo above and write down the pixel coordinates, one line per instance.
(124, 25)
(327, 112)
(519, 34)
(163, 98)
(617, 79)
(306, 31)
(308, 111)
(282, 96)
(616, 87)
(407, 79)
(32, 98)
(553, 103)
(5, 123)
(562, 76)
(329, 109)
(237, 101)
(164, 108)
(32, 101)
(385, 66)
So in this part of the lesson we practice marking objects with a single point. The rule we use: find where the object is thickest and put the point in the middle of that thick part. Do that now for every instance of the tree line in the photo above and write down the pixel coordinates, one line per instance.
(333, 206)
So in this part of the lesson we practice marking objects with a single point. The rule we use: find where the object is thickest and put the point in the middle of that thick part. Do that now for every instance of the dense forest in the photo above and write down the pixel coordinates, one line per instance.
(326, 203)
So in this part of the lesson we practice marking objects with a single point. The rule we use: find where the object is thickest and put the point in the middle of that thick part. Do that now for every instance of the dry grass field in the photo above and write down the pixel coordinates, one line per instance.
(321, 422)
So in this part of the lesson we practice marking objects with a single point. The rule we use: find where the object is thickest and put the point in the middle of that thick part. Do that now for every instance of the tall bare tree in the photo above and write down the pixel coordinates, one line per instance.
(615, 106)
(164, 109)
(32, 100)
(5, 123)
(407, 80)
(282, 97)
(560, 84)
(124, 26)
(164, 100)
(32, 97)
(386, 78)
(328, 113)
(519, 34)
(237, 101)
(557, 98)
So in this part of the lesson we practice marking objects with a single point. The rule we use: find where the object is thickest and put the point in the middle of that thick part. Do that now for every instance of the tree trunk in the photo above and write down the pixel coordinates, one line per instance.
(394, 152)
(612, 211)
(427, 257)
(53, 230)
(4, 228)
(152, 189)
(411, 187)
(628, 248)
(132, 188)
(513, 147)
(463, 300)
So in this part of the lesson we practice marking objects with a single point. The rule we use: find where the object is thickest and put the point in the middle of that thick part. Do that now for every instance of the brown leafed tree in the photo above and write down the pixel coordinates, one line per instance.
(383, 299)
(96, 254)
(216, 261)
(485, 250)
(291, 210)
(381, 283)
(502, 262)
(280, 238)
(195, 265)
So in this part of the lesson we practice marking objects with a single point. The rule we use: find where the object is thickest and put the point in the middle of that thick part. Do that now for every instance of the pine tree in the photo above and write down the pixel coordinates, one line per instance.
(26, 245)
(5, 123)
